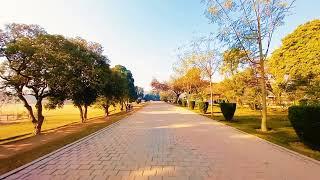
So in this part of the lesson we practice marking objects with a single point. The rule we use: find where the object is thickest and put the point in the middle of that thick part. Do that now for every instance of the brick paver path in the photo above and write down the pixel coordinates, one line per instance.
(162, 141)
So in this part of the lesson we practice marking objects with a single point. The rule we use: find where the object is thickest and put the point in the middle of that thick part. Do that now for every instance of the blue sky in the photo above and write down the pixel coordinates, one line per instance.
(142, 35)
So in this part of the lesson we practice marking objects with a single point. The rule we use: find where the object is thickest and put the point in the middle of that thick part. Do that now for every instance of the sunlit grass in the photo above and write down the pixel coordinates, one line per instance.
(281, 131)
(53, 119)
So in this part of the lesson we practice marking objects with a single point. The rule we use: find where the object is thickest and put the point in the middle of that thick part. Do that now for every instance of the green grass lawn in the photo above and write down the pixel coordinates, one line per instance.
(53, 119)
(281, 131)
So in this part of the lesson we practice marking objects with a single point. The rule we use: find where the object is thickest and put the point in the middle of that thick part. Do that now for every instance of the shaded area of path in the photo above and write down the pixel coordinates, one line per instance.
(162, 141)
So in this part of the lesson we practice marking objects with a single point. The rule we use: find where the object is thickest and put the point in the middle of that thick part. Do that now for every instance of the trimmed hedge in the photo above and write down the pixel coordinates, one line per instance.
(192, 104)
(203, 107)
(228, 110)
(306, 122)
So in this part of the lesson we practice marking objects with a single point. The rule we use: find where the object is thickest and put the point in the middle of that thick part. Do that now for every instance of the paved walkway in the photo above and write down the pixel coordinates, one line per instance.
(162, 141)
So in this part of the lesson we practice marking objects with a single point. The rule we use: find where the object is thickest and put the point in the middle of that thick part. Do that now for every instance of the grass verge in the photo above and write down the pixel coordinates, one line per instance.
(24, 157)
(54, 119)
(281, 132)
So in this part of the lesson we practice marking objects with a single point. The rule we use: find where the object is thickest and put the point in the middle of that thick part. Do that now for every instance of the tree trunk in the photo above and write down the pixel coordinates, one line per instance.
(85, 113)
(262, 80)
(106, 110)
(38, 125)
(177, 98)
(264, 126)
(121, 105)
(81, 113)
(211, 98)
(28, 107)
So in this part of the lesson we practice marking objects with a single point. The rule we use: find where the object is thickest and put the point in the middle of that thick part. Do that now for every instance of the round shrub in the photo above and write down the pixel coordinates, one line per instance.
(228, 110)
(203, 107)
(192, 104)
(306, 122)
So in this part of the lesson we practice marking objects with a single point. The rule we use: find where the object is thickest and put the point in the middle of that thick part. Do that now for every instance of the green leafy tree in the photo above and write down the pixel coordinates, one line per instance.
(88, 73)
(32, 63)
(295, 66)
(112, 91)
(129, 91)
(83, 77)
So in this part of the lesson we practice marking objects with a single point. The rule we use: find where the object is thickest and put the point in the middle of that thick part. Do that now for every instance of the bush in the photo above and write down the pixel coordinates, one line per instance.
(192, 104)
(184, 103)
(228, 110)
(179, 102)
(138, 101)
(306, 122)
(203, 107)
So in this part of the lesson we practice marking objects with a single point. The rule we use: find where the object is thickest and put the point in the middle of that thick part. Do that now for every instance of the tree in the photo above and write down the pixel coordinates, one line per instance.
(192, 82)
(159, 86)
(242, 88)
(33, 62)
(176, 85)
(84, 75)
(205, 58)
(167, 96)
(296, 64)
(111, 91)
(139, 92)
(249, 26)
(129, 91)
(232, 60)
(88, 73)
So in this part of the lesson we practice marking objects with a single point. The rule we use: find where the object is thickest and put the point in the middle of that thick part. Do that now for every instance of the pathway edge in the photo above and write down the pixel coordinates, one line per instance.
(278, 147)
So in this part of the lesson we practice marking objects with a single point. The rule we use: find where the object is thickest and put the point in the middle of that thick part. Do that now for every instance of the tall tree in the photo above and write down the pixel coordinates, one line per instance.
(84, 75)
(249, 26)
(110, 92)
(33, 62)
(129, 92)
(87, 75)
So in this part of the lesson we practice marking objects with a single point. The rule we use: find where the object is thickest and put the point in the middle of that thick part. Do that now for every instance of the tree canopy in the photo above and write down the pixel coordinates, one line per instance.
(296, 64)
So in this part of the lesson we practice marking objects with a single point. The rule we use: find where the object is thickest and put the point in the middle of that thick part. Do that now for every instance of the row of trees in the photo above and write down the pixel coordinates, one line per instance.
(41, 66)
(240, 51)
